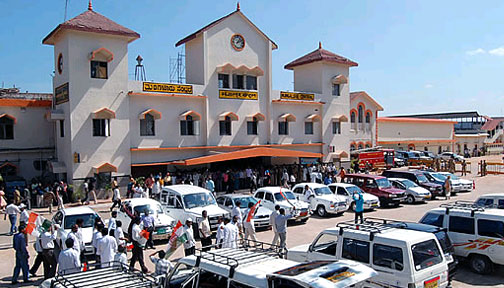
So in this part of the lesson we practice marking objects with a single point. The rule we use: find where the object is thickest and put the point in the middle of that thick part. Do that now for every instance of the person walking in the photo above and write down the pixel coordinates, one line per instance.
(112, 223)
(97, 235)
(359, 206)
(40, 256)
(219, 236)
(272, 219)
(49, 260)
(448, 187)
(129, 190)
(248, 223)
(204, 231)
(12, 210)
(190, 244)
(148, 224)
(116, 198)
(281, 226)
(464, 168)
(138, 243)
(69, 259)
(107, 246)
(230, 234)
(19, 245)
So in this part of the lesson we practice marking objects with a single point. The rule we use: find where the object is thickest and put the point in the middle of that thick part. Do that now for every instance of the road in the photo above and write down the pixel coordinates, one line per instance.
(301, 234)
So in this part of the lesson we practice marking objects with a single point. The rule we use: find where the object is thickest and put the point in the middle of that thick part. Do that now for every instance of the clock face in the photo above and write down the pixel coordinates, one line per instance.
(238, 42)
(60, 63)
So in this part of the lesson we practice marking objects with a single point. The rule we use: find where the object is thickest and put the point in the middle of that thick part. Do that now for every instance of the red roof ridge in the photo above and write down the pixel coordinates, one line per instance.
(320, 54)
(94, 22)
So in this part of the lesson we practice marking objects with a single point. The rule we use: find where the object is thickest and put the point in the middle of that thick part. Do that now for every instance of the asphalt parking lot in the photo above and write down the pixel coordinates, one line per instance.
(305, 233)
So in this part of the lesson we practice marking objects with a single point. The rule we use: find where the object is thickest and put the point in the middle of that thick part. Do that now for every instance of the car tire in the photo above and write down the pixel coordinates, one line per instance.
(384, 203)
(410, 199)
(321, 211)
(481, 264)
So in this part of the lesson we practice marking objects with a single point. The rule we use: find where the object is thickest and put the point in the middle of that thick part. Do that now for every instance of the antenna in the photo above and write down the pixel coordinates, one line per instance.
(139, 69)
(66, 6)
(177, 69)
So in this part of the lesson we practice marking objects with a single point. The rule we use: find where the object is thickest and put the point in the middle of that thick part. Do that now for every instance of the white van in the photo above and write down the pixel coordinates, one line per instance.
(495, 200)
(412, 259)
(324, 201)
(477, 233)
(275, 195)
(188, 201)
(259, 269)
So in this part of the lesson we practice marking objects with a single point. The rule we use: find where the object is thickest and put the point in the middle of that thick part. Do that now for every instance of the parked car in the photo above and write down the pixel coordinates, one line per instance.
(163, 224)
(228, 202)
(67, 217)
(378, 186)
(436, 177)
(413, 259)
(347, 190)
(399, 161)
(418, 177)
(429, 154)
(477, 233)
(451, 155)
(324, 201)
(463, 184)
(414, 193)
(420, 155)
(188, 201)
(495, 200)
(407, 155)
(275, 195)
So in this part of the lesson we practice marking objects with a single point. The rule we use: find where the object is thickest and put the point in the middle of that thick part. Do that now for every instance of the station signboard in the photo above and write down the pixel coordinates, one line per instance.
(167, 88)
(296, 96)
(241, 95)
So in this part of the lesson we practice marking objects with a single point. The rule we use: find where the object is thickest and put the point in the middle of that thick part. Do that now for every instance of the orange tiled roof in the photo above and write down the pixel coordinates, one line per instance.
(25, 103)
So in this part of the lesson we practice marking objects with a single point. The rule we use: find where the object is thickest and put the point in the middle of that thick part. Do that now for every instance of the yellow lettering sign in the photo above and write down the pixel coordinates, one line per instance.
(243, 95)
(167, 88)
(296, 96)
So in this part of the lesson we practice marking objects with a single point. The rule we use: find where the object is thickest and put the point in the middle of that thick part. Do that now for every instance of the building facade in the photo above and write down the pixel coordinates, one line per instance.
(363, 125)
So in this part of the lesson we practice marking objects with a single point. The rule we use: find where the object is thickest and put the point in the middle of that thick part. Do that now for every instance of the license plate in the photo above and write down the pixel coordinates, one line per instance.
(375, 205)
(432, 283)
(161, 231)
(302, 214)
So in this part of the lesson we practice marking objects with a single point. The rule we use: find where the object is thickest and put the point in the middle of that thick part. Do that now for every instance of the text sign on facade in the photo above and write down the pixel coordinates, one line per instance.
(243, 95)
(61, 94)
(296, 96)
(167, 88)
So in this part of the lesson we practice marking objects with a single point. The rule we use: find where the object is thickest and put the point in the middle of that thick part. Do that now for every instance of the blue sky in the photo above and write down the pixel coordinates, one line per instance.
(414, 56)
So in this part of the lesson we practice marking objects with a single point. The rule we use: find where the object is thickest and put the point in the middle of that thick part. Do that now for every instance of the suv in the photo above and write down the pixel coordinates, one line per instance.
(347, 190)
(495, 200)
(378, 186)
(275, 195)
(477, 233)
(417, 177)
(188, 201)
(68, 216)
(228, 202)
(262, 268)
(413, 259)
(324, 200)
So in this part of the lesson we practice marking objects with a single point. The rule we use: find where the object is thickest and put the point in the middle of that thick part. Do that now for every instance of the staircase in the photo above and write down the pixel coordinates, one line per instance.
(497, 134)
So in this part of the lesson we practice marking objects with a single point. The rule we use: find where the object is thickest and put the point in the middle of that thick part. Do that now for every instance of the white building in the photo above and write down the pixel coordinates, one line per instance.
(363, 125)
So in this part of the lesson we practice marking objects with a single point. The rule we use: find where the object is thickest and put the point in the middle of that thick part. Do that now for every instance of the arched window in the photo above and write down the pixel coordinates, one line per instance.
(361, 113)
(352, 147)
(368, 117)
(187, 126)
(368, 146)
(147, 126)
(360, 146)
(225, 126)
(6, 127)
(352, 117)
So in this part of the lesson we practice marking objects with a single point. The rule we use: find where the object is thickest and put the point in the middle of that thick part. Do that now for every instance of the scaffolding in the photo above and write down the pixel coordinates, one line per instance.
(177, 69)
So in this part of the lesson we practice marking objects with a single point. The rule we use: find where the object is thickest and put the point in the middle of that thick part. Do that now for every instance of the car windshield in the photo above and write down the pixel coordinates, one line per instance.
(408, 183)
(141, 209)
(444, 241)
(383, 183)
(426, 254)
(439, 177)
(322, 191)
(421, 178)
(198, 200)
(89, 220)
(245, 200)
(353, 189)
(287, 194)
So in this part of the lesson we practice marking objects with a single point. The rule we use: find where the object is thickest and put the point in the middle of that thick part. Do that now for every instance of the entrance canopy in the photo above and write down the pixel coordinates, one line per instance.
(248, 153)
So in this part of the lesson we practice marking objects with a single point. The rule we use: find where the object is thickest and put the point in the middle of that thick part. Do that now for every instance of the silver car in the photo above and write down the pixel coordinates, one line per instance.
(228, 202)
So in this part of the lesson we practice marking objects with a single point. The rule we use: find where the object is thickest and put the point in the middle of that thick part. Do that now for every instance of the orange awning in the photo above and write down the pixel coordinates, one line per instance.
(9, 116)
(104, 168)
(287, 117)
(153, 112)
(258, 116)
(231, 115)
(339, 118)
(104, 113)
(249, 153)
(102, 53)
(312, 118)
(196, 116)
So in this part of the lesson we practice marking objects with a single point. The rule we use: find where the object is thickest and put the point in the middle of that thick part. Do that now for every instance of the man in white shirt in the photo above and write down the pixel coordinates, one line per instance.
(219, 237)
(12, 210)
(272, 219)
(112, 221)
(308, 195)
(107, 246)
(23, 218)
(116, 198)
(248, 224)
(47, 242)
(120, 258)
(237, 212)
(96, 238)
(204, 231)
(190, 244)
(230, 234)
(80, 223)
(281, 226)
(69, 259)
(138, 244)
(73, 235)
(119, 234)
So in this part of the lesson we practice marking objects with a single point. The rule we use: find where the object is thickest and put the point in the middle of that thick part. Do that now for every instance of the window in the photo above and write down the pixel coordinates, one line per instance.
(485, 202)
(360, 146)
(147, 126)
(336, 89)
(361, 113)
(238, 81)
(341, 191)
(259, 195)
(283, 128)
(308, 128)
(491, 228)
(6, 128)
(225, 126)
(40, 165)
(388, 256)
(99, 70)
(223, 81)
(251, 83)
(62, 128)
(426, 254)
(368, 117)
(189, 126)
(336, 127)
(101, 127)
(501, 204)
(352, 147)
(352, 117)
(269, 197)
(326, 244)
(252, 127)
(463, 225)
(356, 250)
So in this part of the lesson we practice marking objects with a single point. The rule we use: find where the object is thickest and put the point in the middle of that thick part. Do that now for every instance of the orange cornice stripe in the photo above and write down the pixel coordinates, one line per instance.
(167, 95)
(25, 103)
(417, 141)
(225, 147)
(281, 101)
(414, 120)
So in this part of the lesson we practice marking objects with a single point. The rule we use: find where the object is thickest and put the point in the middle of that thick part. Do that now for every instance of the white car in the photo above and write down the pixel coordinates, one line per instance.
(275, 195)
(495, 200)
(347, 190)
(463, 184)
(67, 217)
(414, 193)
(451, 155)
(188, 201)
(262, 214)
(324, 201)
(163, 224)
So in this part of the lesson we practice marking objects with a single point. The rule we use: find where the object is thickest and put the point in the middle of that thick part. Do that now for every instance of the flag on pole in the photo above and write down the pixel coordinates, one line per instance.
(252, 211)
(178, 237)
